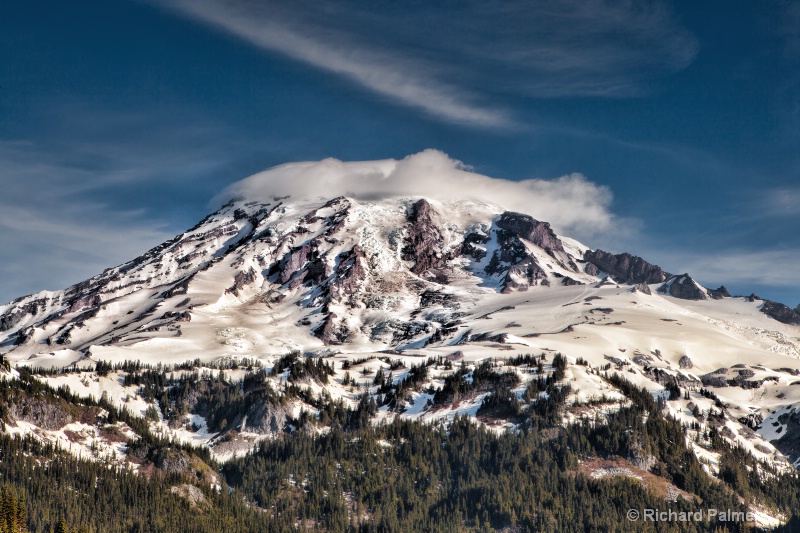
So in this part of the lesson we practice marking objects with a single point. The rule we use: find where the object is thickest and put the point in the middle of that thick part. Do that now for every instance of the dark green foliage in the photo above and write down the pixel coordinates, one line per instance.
(522, 360)
(395, 395)
(13, 511)
(408, 476)
(63, 491)
(502, 403)
(483, 378)
(103, 368)
(303, 368)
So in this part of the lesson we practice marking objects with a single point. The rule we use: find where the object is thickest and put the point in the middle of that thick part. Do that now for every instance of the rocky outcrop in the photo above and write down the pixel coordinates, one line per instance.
(295, 261)
(42, 413)
(523, 275)
(242, 278)
(789, 442)
(425, 243)
(333, 330)
(473, 245)
(752, 420)
(530, 229)
(626, 268)
(644, 288)
(85, 302)
(722, 378)
(685, 363)
(304, 264)
(349, 277)
(522, 270)
(780, 312)
(266, 418)
(393, 331)
(683, 287)
(172, 461)
(24, 336)
(15, 315)
(719, 294)
(178, 316)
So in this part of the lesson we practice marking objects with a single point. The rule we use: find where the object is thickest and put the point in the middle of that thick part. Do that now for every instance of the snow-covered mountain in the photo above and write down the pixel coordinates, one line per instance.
(389, 282)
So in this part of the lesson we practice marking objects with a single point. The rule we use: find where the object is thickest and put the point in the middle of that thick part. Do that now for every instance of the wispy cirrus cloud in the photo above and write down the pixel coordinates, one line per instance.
(64, 217)
(378, 70)
(779, 202)
(452, 60)
(772, 267)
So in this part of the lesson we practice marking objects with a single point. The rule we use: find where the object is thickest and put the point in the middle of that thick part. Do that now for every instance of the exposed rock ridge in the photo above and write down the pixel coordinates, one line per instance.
(522, 269)
(530, 229)
(626, 268)
(780, 312)
(683, 287)
(719, 293)
(425, 244)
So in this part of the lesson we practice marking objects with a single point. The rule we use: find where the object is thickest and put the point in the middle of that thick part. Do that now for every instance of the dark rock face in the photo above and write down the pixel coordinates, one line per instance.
(351, 273)
(15, 315)
(780, 312)
(242, 278)
(296, 261)
(399, 331)
(719, 294)
(344, 287)
(683, 287)
(304, 264)
(685, 362)
(530, 229)
(473, 245)
(522, 269)
(524, 274)
(714, 380)
(721, 378)
(625, 268)
(265, 418)
(84, 302)
(178, 316)
(789, 442)
(425, 243)
(182, 287)
(40, 412)
(24, 336)
(332, 331)
(641, 287)
(591, 269)
(174, 461)
(753, 420)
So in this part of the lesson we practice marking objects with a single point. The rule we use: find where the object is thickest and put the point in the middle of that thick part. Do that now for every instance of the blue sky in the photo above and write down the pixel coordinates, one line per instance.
(120, 121)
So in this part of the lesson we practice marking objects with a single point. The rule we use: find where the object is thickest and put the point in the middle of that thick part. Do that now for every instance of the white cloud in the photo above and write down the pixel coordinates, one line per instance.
(574, 205)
